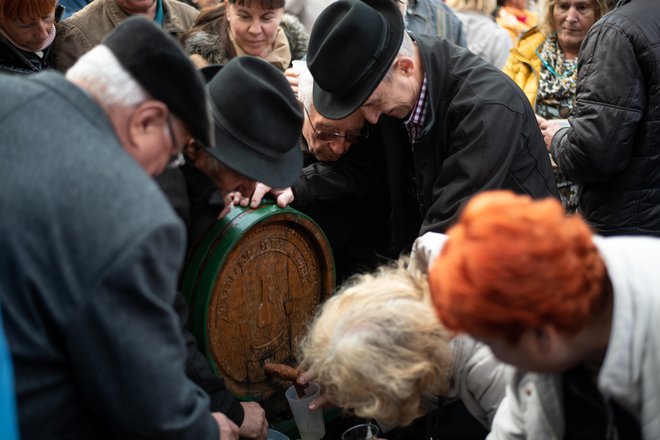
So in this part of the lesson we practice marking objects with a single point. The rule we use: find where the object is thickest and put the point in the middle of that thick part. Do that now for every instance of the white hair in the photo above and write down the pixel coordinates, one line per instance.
(407, 46)
(101, 74)
(405, 50)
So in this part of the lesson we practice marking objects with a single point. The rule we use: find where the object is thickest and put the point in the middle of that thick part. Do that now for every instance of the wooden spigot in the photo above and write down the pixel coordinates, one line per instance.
(286, 372)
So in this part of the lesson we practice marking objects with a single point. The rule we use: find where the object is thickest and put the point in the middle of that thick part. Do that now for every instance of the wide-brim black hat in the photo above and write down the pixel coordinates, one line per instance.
(257, 120)
(352, 45)
(158, 63)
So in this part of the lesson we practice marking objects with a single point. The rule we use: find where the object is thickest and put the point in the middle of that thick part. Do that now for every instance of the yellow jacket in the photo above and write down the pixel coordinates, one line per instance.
(507, 19)
(523, 65)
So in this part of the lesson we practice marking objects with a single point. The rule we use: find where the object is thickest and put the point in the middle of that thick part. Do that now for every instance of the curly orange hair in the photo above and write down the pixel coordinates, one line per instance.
(25, 11)
(512, 263)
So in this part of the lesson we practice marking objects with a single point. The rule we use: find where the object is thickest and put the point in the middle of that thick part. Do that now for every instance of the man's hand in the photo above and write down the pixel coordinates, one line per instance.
(549, 127)
(284, 196)
(254, 424)
(231, 199)
(228, 429)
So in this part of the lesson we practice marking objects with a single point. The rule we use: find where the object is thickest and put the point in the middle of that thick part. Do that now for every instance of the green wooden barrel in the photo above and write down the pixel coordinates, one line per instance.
(253, 284)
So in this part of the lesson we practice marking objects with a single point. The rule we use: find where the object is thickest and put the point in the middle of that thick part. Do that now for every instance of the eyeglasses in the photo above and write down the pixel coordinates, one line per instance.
(177, 158)
(329, 136)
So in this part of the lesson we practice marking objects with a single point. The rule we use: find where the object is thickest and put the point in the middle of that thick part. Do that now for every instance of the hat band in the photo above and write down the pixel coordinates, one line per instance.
(218, 119)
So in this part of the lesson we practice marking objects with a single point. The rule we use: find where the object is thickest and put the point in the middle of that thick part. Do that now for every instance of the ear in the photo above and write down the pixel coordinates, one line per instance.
(147, 117)
(192, 150)
(146, 124)
(406, 66)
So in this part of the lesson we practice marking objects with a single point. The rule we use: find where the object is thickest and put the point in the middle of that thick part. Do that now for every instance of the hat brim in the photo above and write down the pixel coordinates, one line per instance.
(335, 106)
(276, 173)
(208, 72)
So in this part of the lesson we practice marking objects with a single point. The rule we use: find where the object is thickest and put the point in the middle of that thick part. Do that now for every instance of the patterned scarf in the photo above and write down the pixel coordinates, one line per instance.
(557, 81)
(48, 42)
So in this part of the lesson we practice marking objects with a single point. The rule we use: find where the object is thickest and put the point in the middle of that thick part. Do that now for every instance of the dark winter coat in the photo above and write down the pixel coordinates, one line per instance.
(480, 134)
(613, 145)
(212, 49)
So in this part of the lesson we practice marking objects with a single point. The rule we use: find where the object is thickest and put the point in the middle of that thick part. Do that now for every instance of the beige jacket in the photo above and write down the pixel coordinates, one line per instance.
(81, 32)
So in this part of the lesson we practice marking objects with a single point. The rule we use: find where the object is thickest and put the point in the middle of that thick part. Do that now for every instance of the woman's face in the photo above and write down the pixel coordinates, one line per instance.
(254, 29)
(30, 35)
(573, 19)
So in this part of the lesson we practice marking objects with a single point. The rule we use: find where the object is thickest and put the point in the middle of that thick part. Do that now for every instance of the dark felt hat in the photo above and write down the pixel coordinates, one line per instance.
(257, 120)
(158, 63)
(352, 46)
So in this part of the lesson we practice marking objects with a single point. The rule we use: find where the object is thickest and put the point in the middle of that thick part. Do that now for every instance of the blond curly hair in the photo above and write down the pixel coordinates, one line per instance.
(547, 20)
(377, 346)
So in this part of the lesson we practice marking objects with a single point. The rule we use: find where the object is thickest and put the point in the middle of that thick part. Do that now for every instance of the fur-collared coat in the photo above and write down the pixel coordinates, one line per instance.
(210, 47)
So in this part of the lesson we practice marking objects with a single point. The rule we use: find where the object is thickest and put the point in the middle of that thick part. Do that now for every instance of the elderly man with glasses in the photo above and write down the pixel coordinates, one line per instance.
(341, 206)
(325, 139)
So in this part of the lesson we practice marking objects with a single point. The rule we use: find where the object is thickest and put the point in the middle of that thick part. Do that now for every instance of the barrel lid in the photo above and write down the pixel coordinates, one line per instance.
(253, 283)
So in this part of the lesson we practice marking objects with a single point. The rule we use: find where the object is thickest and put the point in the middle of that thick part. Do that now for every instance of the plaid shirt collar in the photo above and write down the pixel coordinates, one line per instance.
(415, 121)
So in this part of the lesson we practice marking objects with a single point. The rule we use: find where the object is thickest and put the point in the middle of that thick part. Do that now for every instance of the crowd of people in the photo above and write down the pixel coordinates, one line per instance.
(486, 174)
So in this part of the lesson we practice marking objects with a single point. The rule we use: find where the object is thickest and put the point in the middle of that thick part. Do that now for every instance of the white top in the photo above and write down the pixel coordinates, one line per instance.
(631, 370)
(485, 37)
(476, 376)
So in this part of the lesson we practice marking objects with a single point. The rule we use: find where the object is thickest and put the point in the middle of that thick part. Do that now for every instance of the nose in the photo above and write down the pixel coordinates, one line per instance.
(42, 31)
(255, 27)
(340, 146)
(370, 114)
(572, 14)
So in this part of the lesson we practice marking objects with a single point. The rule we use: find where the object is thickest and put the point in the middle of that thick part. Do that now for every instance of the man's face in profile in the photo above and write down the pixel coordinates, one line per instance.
(329, 139)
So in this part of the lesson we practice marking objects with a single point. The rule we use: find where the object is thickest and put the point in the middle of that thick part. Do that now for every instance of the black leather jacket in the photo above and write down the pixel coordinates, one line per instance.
(613, 145)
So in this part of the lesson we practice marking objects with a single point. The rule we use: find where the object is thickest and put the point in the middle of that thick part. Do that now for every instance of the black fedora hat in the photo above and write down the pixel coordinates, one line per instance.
(158, 63)
(257, 120)
(352, 45)
(208, 72)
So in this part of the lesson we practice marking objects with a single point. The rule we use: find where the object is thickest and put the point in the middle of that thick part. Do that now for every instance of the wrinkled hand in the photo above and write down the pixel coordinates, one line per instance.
(228, 429)
(231, 199)
(320, 402)
(540, 120)
(292, 75)
(254, 424)
(549, 127)
(283, 196)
